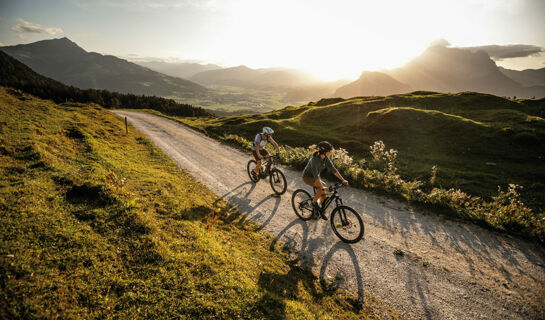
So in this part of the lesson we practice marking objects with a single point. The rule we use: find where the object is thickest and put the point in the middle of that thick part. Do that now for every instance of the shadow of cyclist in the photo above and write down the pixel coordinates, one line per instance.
(278, 287)
(291, 241)
(343, 277)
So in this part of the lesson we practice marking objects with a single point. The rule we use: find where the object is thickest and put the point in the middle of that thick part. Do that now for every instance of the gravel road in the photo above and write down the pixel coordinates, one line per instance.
(448, 270)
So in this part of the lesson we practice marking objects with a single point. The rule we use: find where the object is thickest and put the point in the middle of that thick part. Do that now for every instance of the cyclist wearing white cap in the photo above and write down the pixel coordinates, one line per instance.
(258, 148)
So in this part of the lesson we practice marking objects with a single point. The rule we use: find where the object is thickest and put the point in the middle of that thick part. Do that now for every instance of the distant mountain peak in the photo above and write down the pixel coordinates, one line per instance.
(241, 67)
(49, 46)
(372, 84)
(63, 60)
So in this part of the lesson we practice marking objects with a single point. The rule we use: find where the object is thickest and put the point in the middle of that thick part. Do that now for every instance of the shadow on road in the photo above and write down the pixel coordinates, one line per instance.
(238, 197)
(343, 277)
(290, 242)
(304, 250)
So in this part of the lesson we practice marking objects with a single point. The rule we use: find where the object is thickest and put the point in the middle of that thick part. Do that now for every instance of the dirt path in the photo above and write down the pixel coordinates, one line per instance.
(449, 270)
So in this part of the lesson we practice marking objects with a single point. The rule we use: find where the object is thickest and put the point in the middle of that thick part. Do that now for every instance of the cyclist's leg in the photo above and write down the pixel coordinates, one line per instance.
(265, 154)
(258, 162)
(320, 190)
(309, 181)
(312, 182)
(324, 188)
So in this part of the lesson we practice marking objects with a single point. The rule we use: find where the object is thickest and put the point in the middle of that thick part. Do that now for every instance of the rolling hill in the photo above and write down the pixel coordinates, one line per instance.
(97, 223)
(64, 61)
(478, 141)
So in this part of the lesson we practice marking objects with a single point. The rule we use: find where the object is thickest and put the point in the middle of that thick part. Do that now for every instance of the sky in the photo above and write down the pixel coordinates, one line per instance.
(332, 39)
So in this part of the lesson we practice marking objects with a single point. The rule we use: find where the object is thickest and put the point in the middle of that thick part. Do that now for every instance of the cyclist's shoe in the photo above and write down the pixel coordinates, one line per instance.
(254, 175)
(322, 215)
(316, 211)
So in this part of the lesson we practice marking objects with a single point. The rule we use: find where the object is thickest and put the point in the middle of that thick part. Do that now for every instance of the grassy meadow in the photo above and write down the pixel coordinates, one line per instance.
(235, 100)
(95, 223)
(477, 141)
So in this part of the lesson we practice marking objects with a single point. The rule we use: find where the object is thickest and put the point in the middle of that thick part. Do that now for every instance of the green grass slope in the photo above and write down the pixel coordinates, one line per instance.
(478, 141)
(95, 223)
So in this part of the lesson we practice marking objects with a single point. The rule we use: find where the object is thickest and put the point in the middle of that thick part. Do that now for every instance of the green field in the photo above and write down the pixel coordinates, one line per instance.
(226, 100)
(477, 141)
(95, 223)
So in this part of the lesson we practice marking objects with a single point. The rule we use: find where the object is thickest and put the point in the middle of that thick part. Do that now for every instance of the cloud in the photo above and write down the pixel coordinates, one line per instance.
(29, 27)
(498, 52)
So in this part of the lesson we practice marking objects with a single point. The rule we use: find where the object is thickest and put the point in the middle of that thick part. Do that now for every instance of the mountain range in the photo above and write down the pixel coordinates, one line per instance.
(16, 75)
(178, 69)
(64, 61)
(444, 69)
(438, 68)
(528, 77)
(245, 77)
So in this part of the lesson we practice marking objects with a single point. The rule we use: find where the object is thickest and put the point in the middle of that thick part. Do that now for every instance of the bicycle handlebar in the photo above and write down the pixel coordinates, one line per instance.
(336, 186)
(270, 156)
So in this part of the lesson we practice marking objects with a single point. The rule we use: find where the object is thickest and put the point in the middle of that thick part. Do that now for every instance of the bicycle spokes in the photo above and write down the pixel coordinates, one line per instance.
(347, 224)
(276, 178)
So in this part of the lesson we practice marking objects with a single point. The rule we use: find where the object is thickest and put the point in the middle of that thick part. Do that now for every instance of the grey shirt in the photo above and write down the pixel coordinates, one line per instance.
(316, 165)
(261, 140)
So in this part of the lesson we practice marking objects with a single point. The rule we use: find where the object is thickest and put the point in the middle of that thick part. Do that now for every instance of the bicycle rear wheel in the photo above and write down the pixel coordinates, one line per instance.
(301, 202)
(347, 224)
(278, 181)
(250, 167)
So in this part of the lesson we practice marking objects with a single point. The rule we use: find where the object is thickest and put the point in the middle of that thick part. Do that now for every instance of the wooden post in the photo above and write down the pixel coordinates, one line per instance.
(126, 127)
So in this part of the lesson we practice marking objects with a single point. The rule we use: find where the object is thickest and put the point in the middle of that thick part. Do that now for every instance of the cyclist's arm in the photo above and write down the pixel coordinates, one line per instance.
(275, 145)
(334, 170)
(257, 151)
(338, 175)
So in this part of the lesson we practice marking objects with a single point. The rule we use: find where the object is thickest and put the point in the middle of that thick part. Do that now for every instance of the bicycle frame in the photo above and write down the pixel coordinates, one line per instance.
(329, 200)
(342, 218)
(268, 164)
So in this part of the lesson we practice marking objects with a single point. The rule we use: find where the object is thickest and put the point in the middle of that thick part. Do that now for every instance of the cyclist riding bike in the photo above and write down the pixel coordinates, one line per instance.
(258, 148)
(311, 174)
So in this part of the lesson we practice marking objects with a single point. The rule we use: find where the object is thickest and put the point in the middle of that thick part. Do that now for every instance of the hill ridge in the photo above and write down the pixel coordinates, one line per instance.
(63, 60)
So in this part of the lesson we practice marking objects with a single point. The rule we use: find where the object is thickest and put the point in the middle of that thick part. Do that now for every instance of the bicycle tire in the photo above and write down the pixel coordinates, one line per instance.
(250, 167)
(301, 199)
(277, 176)
(354, 222)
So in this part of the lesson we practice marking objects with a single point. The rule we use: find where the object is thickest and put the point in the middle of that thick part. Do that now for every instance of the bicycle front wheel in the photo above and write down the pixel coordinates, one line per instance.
(250, 167)
(301, 202)
(347, 224)
(278, 181)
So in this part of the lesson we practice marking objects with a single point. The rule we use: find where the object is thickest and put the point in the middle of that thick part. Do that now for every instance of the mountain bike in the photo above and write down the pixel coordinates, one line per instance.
(345, 221)
(268, 169)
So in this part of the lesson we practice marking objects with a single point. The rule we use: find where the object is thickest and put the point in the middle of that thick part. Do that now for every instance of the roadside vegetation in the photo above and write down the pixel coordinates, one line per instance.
(504, 211)
(474, 156)
(95, 223)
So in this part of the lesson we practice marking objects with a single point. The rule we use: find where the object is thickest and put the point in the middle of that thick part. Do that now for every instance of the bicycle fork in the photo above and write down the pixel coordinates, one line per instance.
(342, 213)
